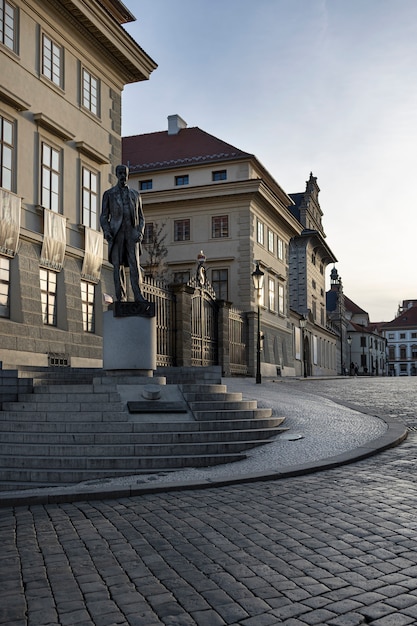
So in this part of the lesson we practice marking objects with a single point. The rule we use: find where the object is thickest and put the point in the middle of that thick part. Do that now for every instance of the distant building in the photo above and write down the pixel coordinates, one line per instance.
(401, 336)
(363, 349)
(63, 68)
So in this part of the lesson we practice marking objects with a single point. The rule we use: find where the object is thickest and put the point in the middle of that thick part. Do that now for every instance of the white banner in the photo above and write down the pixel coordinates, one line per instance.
(54, 240)
(9, 222)
(93, 257)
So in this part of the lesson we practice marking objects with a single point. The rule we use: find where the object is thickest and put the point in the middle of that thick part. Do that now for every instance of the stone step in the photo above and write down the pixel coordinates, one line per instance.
(11, 440)
(203, 388)
(208, 397)
(54, 397)
(82, 468)
(51, 455)
(249, 414)
(62, 407)
(65, 415)
(75, 388)
(215, 405)
(44, 428)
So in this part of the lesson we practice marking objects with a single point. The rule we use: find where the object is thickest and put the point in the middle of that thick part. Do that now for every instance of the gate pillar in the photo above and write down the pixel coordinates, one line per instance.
(183, 338)
(223, 336)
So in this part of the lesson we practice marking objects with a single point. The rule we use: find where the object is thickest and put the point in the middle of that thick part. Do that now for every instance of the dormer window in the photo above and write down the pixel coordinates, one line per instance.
(219, 175)
(181, 180)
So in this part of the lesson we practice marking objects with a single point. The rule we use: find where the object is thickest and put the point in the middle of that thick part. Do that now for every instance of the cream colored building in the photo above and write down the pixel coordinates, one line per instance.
(215, 198)
(64, 65)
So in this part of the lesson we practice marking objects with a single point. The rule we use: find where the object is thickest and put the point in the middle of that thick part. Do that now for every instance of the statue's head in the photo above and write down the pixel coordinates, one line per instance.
(122, 173)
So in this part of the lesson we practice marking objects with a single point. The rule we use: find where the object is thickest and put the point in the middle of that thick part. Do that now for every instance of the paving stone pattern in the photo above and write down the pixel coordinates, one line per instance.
(334, 548)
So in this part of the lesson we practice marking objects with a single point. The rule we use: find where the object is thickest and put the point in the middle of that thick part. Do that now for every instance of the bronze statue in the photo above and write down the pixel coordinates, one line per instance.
(123, 224)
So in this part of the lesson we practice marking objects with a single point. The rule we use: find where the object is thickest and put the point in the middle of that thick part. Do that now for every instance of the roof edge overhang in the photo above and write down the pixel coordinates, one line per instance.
(104, 25)
(319, 243)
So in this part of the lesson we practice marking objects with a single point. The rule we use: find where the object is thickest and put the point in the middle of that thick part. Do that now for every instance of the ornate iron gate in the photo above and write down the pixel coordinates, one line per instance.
(204, 325)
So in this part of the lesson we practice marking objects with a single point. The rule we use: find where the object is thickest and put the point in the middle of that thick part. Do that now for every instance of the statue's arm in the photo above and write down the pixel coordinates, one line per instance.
(105, 216)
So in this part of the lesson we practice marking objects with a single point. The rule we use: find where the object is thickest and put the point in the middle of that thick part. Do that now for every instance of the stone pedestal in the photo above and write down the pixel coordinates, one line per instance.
(129, 343)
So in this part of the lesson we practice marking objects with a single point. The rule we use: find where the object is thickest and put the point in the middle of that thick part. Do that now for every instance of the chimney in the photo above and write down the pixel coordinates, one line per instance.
(175, 124)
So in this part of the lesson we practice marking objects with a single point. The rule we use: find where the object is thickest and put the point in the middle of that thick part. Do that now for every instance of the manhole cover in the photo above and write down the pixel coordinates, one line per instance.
(291, 436)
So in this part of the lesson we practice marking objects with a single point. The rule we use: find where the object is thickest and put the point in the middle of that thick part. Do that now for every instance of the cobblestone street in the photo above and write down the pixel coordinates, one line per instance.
(336, 548)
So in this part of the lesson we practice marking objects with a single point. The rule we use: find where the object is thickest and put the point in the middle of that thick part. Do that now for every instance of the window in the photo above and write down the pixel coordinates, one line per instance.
(403, 352)
(220, 283)
(8, 25)
(280, 249)
(313, 258)
(363, 342)
(144, 185)
(390, 335)
(271, 240)
(48, 296)
(271, 294)
(414, 335)
(52, 61)
(281, 302)
(90, 198)
(90, 92)
(219, 175)
(148, 233)
(402, 335)
(6, 153)
(4, 286)
(182, 230)
(220, 226)
(87, 305)
(414, 351)
(314, 284)
(181, 180)
(51, 176)
(391, 353)
(260, 233)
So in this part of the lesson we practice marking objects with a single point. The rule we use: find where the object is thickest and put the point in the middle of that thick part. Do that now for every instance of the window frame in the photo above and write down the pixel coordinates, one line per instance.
(182, 229)
(271, 294)
(53, 175)
(6, 147)
(89, 191)
(181, 180)
(219, 226)
(218, 175)
(260, 234)
(146, 185)
(281, 299)
(271, 241)
(89, 101)
(280, 249)
(13, 28)
(48, 296)
(56, 78)
(87, 306)
(4, 287)
(220, 283)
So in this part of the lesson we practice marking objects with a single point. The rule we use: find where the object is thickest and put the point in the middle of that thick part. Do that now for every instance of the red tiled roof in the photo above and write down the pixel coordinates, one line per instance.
(190, 146)
(352, 307)
(407, 318)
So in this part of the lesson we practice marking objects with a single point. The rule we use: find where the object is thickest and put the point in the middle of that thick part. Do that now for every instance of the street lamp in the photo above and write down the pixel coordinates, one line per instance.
(303, 324)
(258, 281)
(349, 340)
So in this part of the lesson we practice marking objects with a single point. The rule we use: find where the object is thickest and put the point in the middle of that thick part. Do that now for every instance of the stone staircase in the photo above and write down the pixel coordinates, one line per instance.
(63, 433)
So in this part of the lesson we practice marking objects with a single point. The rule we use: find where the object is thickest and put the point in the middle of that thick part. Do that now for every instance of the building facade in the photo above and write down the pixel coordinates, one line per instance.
(210, 196)
(401, 337)
(64, 66)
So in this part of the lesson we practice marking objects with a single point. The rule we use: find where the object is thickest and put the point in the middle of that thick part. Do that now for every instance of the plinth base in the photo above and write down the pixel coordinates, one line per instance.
(129, 343)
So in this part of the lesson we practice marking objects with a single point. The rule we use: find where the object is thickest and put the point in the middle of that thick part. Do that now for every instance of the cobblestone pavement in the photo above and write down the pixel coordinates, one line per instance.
(335, 548)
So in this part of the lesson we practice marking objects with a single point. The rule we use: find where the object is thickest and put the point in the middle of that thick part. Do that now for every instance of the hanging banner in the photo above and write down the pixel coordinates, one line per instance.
(9, 222)
(93, 256)
(54, 240)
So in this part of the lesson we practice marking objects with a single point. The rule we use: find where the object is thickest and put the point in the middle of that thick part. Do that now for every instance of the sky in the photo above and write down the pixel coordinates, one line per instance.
(321, 86)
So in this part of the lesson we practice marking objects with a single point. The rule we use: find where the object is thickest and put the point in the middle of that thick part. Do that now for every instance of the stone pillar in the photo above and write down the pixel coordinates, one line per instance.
(183, 339)
(252, 317)
(223, 336)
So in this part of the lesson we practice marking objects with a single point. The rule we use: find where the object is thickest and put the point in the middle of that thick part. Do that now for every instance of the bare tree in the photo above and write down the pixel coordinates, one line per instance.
(154, 246)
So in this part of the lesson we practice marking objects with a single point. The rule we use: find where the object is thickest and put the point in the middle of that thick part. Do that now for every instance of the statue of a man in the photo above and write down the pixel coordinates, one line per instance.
(123, 225)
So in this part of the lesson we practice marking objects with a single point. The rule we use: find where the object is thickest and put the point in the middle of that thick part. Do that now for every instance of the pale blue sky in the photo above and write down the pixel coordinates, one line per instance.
(328, 86)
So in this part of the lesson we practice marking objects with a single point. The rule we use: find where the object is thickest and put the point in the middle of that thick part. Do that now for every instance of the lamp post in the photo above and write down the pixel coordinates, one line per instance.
(349, 340)
(258, 281)
(303, 324)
